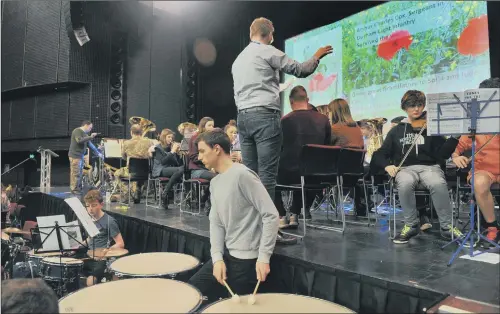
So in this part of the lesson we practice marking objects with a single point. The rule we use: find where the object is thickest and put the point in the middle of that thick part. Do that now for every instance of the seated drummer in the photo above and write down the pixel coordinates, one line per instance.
(487, 171)
(421, 167)
(243, 219)
(108, 231)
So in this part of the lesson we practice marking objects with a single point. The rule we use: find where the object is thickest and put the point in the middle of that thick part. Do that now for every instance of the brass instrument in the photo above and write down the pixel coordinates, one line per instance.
(376, 139)
(146, 125)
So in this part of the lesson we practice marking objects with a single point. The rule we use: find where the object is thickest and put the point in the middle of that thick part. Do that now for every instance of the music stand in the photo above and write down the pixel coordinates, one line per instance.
(473, 112)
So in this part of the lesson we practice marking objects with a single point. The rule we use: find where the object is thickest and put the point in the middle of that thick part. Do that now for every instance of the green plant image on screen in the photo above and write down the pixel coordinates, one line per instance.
(380, 53)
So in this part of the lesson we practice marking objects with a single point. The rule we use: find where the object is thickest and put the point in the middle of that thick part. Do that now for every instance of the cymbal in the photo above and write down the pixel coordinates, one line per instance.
(99, 252)
(14, 230)
(5, 236)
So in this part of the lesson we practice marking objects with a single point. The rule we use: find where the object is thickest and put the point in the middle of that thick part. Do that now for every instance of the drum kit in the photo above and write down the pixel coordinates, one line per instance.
(60, 272)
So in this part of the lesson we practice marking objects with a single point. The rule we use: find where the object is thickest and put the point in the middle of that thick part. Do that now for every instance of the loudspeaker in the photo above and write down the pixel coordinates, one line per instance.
(117, 78)
(75, 22)
(191, 89)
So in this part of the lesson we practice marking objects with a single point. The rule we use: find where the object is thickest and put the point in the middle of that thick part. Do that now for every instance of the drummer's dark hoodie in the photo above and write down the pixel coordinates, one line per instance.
(429, 150)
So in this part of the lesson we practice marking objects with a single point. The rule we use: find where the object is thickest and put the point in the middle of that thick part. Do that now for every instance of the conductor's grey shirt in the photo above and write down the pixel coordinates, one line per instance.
(256, 75)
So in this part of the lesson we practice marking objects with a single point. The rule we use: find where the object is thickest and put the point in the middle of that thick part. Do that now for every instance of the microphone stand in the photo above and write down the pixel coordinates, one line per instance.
(22, 162)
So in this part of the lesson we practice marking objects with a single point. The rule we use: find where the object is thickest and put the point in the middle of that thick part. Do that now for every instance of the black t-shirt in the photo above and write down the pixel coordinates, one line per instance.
(301, 127)
(78, 144)
(108, 229)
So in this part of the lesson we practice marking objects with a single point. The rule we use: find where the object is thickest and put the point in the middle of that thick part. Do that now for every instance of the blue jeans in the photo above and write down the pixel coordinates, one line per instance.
(260, 136)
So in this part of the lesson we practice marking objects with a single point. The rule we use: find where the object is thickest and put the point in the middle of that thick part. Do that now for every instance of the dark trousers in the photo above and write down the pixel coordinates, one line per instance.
(289, 178)
(241, 278)
(175, 176)
(205, 175)
(260, 136)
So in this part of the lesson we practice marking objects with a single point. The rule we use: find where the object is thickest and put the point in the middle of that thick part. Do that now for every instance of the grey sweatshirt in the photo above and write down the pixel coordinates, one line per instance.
(243, 216)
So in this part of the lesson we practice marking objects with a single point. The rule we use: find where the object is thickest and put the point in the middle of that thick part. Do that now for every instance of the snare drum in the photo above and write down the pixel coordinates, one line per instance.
(153, 265)
(61, 272)
(276, 303)
(140, 295)
(34, 259)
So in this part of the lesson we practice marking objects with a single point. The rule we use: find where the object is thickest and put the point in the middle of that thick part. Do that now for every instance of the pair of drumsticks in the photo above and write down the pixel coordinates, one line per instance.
(236, 298)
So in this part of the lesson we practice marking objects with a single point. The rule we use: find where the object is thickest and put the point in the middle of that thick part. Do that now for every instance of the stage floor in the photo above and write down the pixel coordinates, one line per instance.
(363, 250)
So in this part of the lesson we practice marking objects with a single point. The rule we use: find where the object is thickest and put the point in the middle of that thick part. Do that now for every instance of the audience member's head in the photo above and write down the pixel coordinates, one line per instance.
(86, 126)
(28, 296)
(206, 124)
(298, 98)
(166, 137)
(341, 114)
(413, 102)
(94, 203)
(262, 30)
(135, 130)
(213, 145)
(231, 130)
(493, 82)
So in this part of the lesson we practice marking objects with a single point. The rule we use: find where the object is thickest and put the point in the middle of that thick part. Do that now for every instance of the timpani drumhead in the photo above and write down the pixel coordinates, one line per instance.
(276, 303)
(139, 295)
(154, 264)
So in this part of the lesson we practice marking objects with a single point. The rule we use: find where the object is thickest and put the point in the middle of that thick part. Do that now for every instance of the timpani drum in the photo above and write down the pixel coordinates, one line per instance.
(276, 303)
(155, 265)
(140, 295)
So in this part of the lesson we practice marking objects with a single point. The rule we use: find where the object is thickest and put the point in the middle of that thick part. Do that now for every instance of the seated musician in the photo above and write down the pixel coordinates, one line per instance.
(243, 223)
(232, 131)
(421, 167)
(345, 131)
(167, 162)
(137, 147)
(186, 129)
(108, 232)
(198, 170)
(487, 171)
(300, 127)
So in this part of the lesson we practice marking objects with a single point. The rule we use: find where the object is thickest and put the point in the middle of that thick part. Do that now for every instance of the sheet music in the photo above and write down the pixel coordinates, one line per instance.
(74, 233)
(46, 224)
(447, 112)
(113, 148)
(83, 216)
(488, 121)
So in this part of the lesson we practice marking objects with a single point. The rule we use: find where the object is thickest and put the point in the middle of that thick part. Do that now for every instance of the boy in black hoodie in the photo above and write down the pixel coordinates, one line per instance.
(421, 168)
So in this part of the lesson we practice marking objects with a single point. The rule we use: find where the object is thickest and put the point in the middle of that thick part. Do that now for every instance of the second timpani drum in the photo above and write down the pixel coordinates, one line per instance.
(276, 303)
(151, 265)
(141, 295)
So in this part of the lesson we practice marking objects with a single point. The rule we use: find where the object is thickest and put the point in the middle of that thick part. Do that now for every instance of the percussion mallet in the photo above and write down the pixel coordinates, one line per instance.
(234, 297)
(251, 299)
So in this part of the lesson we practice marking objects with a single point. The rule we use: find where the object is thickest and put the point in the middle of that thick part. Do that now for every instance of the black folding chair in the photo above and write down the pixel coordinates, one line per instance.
(138, 170)
(194, 183)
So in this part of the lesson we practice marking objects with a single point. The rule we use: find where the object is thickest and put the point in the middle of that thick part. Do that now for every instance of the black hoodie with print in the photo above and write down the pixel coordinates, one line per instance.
(429, 150)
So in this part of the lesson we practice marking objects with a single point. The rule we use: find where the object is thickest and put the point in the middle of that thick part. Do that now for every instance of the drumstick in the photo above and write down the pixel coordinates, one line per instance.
(251, 299)
(234, 297)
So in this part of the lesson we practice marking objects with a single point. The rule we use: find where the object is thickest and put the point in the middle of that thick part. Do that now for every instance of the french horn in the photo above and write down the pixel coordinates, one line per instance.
(145, 124)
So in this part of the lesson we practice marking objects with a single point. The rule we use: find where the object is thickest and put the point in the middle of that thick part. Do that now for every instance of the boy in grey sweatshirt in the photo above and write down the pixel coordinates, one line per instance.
(243, 223)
